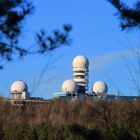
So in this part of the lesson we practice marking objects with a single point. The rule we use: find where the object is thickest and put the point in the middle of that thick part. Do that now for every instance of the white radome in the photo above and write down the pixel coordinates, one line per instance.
(69, 86)
(100, 87)
(80, 61)
(19, 86)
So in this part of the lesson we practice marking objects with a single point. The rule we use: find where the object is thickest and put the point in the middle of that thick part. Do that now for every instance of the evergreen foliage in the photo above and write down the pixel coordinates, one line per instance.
(12, 16)
(129, 17)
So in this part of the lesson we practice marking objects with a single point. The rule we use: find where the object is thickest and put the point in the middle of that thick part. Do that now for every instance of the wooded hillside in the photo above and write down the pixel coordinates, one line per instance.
(71, 120)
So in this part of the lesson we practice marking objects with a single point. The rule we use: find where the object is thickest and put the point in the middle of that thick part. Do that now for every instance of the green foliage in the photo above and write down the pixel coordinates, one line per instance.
(1, 133)
(32, 134)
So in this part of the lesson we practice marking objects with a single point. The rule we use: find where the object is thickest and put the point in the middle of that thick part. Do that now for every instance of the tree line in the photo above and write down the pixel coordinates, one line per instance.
(71, 120)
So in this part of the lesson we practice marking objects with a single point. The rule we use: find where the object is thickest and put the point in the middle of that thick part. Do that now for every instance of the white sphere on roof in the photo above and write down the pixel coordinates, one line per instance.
(19, 86)
(69, 86)
(99, 87)
(80, 61)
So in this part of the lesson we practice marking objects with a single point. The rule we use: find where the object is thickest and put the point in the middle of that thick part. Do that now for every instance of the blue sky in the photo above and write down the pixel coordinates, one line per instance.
(95, 34)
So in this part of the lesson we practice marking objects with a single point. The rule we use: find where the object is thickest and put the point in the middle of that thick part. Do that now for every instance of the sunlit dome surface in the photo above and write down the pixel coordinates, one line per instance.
(69, 86)
(18, 87)
(80, 61)
(100, 87)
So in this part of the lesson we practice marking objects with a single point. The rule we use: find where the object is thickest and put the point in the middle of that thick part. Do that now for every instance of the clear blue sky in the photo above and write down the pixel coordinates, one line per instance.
(95, 34)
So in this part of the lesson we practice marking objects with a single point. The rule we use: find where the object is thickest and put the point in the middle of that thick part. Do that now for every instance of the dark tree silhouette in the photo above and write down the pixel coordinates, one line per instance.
(129, 17)
(12, 15)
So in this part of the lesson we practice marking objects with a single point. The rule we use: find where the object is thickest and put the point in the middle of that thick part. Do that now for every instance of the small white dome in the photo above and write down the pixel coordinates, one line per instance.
(69, 86)
(80, 61)
(18, 87)
(100, 87)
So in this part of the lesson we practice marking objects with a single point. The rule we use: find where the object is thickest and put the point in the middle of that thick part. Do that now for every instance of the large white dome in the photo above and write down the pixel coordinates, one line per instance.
(69, 86)
(80, 61)
(100, 87)
(18, 87)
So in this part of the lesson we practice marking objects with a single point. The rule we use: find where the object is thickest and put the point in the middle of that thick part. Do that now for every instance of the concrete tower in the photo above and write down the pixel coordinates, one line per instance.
(80, 73)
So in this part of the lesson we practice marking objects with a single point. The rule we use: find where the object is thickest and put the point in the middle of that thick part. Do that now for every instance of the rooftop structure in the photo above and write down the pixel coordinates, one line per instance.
(19, 90)
(69, 86)
(99, 88)
(72, 89)
(78, 87)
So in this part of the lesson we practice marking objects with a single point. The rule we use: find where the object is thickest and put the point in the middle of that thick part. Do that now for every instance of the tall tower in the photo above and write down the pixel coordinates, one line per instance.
(80, 73)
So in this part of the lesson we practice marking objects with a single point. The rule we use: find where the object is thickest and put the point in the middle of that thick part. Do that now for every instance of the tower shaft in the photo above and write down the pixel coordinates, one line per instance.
(80, 76)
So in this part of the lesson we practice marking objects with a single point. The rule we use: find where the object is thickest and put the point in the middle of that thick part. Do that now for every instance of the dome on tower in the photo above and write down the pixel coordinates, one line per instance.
(80, 61)
(99, 87)
(18, 87)
(69, 86)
